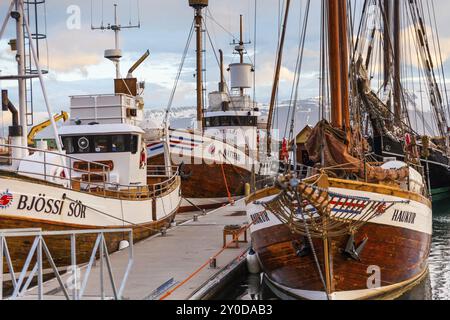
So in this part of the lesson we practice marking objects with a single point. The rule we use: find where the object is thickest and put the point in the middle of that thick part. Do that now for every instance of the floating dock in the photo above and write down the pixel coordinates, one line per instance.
(174, 266)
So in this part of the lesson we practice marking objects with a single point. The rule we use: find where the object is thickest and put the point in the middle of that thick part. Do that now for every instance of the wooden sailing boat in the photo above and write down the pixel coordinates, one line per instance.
(390, 125)
(215, 161)
(354, 230)
(99, 177)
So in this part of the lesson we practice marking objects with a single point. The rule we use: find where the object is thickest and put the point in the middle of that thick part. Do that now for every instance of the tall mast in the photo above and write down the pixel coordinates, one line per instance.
(397, 58)
(240, 49)
(386, 39)
(343, 40)
(198, 6)
(18, 15)
(277, 77)
(334, 34)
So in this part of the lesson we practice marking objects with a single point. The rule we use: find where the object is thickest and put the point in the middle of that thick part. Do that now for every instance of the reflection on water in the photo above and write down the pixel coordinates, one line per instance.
(435, 287)
(440, 252)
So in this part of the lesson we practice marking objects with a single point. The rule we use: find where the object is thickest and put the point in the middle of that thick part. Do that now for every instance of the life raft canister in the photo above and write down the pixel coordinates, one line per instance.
(143, 160)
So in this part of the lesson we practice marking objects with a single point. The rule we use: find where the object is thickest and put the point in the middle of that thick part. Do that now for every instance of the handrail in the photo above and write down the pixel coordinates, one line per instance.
(116, 190)
(75, 285)
(54, 153)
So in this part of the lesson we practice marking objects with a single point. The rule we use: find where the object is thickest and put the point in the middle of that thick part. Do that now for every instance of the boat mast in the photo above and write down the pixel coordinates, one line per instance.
(397, 66)
(343, 41)
(386, 40)
(18, 15)
(334, 34)
(276, 78)
(198, 6)
(240, 48)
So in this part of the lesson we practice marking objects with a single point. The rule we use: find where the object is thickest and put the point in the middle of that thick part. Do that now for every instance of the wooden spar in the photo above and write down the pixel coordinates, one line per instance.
(277, 78)
(397, 66)
(335, 63)
(198, 30)
(343, 40)
(387, 43)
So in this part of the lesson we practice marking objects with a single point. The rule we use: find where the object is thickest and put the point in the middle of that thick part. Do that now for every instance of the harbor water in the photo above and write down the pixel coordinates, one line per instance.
(436, 286)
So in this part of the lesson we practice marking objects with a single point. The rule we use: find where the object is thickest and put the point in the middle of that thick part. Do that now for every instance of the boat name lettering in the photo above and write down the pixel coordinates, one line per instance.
(41, 204)
(77, 210)
(231, 155)
(404, 217)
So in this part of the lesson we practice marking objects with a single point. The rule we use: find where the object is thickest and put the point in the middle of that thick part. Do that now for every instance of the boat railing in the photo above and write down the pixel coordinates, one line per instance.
(74, 282)
(86, 179)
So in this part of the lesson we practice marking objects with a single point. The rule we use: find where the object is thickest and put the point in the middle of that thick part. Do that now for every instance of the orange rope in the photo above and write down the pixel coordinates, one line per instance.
(230, 198)
(182, 283)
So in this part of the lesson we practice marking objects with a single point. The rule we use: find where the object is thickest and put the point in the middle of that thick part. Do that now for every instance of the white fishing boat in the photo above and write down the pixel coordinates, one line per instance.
(97, 179)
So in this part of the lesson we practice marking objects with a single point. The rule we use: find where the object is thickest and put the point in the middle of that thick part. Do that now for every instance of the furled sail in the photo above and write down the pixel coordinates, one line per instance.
(330, 147)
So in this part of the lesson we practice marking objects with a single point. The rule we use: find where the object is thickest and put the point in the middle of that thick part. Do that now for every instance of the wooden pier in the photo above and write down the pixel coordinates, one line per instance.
(175, 266)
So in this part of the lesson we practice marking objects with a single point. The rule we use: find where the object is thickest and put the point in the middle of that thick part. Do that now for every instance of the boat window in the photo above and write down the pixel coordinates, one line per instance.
(101, 144)
(231, 121)
(134, 144)
(83, 145)
(68, 145)
(118, 143)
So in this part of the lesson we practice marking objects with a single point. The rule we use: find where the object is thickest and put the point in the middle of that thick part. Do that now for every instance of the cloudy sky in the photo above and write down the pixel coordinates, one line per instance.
(75, 55)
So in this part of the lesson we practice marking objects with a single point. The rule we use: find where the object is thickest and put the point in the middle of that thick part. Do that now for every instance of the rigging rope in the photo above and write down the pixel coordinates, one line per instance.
(180, 69)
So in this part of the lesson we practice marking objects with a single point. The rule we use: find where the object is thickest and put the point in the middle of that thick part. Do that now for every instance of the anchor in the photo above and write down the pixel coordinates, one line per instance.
(302, 249)
(351, 251)
(183, 174)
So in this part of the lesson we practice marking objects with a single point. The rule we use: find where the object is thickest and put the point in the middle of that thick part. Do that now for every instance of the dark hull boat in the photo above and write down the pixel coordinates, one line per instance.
(437, 165)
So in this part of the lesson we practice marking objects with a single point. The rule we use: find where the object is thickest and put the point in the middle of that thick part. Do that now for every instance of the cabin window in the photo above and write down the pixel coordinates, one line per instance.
(101, 144)
(118, 144)
(134, 144)
(68, 145)
(83, 145)
(231, 121)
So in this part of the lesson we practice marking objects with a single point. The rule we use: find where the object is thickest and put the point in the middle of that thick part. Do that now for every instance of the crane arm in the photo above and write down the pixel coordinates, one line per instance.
(38, 128)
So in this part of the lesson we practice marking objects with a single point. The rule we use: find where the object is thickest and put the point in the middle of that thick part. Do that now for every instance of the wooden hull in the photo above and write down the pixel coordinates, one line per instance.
(400, 254)
(205, 186)
(394, 257)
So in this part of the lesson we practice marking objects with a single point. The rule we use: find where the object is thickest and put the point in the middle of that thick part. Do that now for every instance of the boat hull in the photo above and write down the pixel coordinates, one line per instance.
(437, 165)
(53, 208)
(213, 169)
(394, 258)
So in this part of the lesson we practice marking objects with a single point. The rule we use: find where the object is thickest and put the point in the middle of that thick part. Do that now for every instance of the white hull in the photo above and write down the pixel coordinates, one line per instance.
(30, 200)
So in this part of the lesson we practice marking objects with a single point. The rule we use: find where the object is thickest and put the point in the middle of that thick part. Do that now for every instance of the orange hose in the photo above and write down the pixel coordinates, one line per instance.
(230, 198)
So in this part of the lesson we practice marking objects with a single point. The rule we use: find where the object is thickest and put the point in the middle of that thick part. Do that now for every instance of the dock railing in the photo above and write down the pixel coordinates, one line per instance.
(39, 251)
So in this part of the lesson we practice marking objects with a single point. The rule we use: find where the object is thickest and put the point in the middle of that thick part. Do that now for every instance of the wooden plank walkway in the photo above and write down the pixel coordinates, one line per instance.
(157, 260)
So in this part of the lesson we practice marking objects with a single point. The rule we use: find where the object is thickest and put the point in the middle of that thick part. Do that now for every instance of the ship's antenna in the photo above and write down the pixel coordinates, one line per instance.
(115, 54)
